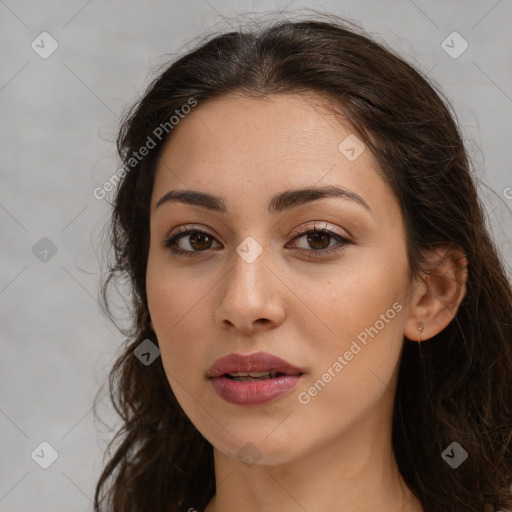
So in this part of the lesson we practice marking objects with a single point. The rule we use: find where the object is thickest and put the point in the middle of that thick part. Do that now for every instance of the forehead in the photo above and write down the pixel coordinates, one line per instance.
(235, 146)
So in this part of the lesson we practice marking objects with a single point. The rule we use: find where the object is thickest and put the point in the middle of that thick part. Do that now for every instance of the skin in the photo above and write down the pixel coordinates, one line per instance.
(333, 453)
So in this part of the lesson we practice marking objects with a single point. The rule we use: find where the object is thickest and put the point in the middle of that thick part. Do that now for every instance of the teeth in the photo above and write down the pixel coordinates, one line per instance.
(252, 374)
(249, 376)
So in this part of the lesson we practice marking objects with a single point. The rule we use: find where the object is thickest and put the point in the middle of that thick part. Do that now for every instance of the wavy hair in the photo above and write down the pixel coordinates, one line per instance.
(454, 387)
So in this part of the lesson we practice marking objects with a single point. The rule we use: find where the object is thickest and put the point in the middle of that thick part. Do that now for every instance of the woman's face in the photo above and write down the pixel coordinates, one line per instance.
(255, 282)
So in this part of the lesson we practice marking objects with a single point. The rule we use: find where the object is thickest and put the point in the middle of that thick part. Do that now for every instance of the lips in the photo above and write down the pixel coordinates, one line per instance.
(235, 364)
(253, 379)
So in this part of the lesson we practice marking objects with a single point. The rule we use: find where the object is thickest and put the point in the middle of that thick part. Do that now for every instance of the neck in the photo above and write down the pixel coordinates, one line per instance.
(348, 474)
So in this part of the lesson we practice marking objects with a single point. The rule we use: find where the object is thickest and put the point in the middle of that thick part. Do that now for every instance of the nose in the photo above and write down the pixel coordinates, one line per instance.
(251, 297)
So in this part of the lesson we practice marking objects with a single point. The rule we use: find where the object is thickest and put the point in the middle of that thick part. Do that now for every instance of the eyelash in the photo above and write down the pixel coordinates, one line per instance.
(170, 242)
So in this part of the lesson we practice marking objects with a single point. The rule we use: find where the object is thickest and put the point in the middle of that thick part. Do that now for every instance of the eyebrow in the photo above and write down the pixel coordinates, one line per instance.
(279, 203)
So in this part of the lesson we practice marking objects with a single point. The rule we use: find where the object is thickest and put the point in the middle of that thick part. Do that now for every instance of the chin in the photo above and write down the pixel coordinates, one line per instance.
(256, 447)
(252, 453)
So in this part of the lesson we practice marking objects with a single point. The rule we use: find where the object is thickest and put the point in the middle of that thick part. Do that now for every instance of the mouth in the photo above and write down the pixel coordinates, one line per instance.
(253, 379)
(256, 376)
(254, 366)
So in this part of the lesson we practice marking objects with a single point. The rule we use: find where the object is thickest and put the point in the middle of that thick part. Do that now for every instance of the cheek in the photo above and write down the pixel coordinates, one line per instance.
(175, 313)
(354, 377)
(365, 313)
(172, 298)
(354, 299)
(177, 309)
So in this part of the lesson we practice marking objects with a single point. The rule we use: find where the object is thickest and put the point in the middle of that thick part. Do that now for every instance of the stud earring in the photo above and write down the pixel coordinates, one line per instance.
(421, 328)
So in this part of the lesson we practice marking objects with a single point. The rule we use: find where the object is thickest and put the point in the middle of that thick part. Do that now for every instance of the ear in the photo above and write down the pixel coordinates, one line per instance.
(437, 294)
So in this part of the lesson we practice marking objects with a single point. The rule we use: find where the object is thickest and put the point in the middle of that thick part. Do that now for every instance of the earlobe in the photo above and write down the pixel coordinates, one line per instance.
(437, 296)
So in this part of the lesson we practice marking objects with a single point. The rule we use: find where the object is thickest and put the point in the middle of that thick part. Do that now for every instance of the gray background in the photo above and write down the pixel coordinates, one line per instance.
(59, 120)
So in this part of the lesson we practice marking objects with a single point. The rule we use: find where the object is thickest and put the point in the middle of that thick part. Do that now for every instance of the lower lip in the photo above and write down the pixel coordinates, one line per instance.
(255, 392)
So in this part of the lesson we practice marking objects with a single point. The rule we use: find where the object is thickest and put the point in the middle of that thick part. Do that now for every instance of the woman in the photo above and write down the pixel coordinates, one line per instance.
(303, 238)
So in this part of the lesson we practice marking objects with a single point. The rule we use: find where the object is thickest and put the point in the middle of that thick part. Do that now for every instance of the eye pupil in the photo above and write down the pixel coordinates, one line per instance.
(316, 237)
(194, 238)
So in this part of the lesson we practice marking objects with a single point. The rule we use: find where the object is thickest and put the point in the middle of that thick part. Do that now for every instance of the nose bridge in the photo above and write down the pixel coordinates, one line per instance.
(249, 293)
(249, 265)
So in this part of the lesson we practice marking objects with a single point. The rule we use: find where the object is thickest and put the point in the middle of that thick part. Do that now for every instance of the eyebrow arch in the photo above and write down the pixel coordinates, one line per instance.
(279, 203)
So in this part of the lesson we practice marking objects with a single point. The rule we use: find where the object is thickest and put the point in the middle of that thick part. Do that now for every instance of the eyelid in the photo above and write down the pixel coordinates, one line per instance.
(324, 226)
(189, 227)
(318, 226)
(170, 241)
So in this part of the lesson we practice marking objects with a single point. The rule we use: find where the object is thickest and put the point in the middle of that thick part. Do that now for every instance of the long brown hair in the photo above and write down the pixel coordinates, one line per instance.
(455, 387)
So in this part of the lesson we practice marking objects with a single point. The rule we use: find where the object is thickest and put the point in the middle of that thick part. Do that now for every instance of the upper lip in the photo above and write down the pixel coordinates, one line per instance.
(255, 362)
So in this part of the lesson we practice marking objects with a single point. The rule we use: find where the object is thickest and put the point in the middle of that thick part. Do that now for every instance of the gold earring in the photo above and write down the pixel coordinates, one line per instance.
(421, 328)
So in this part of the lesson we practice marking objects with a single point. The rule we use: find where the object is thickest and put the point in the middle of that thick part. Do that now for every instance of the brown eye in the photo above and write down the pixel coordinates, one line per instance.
(200, 241)
(319, 239)
(194, 242)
